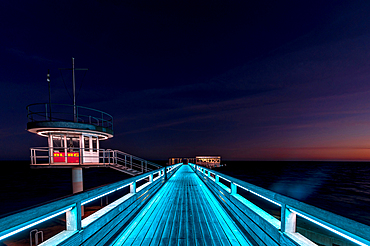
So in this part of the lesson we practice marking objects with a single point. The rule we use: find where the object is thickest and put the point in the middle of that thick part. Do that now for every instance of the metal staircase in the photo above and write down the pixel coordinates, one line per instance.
(128, 164)
(124, 169)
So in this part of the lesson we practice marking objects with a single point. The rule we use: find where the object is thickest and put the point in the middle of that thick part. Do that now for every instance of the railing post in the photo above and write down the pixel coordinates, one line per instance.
(73, 218)
(81, 156)
(233, 187)
(288, 219)
(151, 178)
(65, 149)
(165, 172)
(32, 162)
(133, 187)
(217, 178)
(46, 111)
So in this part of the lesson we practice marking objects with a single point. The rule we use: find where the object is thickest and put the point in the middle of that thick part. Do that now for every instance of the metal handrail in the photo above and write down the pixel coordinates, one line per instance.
(333, 222)
(22, 220)
(137, 158)
(39, 112)
(106, 157)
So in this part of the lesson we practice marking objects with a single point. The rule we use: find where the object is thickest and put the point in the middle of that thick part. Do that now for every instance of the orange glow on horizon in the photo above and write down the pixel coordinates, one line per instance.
(279, 154)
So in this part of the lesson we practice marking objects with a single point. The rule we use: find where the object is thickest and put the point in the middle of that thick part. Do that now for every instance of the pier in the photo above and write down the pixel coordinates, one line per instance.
(184, 205)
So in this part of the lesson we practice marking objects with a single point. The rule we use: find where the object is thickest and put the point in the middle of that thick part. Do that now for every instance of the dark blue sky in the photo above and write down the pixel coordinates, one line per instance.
(261, 80)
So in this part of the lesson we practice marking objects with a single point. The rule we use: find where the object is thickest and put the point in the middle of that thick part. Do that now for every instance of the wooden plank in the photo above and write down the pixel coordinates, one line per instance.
(194, 220)
(164, 242)
(190, 236)
(217, 226)
(163, 210)
(141, 228)
(150, 215)
(214, 226)
(232, 231)
(227, 227)
(167, 205)
(181, 242)
(169, 223)
(127, 233)
(176, 222)
(218, 235)
(251, 225)
(136, 234)
(184, 212)
(113, 220)
(200, 217)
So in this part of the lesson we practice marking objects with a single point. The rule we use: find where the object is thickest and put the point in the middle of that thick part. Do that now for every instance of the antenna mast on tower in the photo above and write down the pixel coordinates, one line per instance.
(48, 80)
(74, 86)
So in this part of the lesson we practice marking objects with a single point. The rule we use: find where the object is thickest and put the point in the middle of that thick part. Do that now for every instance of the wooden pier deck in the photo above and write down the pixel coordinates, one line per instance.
(183, 212)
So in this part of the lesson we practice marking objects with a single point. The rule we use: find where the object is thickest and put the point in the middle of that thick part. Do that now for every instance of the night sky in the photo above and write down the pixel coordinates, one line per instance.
(247, 80)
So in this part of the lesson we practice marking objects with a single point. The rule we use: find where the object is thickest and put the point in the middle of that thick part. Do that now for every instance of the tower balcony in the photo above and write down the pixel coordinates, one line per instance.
(44, 118)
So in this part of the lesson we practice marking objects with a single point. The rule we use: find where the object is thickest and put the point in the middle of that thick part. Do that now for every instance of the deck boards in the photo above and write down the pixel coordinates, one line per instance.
(183, 212)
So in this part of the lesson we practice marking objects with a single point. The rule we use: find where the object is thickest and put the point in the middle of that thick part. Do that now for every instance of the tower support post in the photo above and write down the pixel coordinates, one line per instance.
(77, 180)
(77, 183)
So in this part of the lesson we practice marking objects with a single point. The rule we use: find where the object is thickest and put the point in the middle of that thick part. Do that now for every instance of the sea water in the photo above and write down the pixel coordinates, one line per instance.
(339, 187)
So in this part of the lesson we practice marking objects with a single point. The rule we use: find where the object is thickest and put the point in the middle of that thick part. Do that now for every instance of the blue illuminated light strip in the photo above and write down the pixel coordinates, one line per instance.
(223, 218)
(138, 222)
(255, 193)
(330, 229)
(33, 224)
(358, 241)
(97, 197)
(158, 177)
(123, 186)
(224, 178)
(142, 178)
(276, 203)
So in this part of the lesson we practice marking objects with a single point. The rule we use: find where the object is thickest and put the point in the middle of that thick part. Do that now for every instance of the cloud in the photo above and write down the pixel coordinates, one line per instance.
(167, 124)
(23, 55)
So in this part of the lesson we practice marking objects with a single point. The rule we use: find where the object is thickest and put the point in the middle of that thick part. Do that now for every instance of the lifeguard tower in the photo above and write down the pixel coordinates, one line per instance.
(73, 139)
(74, 134)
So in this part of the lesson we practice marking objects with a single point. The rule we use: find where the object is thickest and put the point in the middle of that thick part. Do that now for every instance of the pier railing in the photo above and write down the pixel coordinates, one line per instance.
(40, 112)
(97, 228)
(132, 194)
(233, 191)
(63, 156)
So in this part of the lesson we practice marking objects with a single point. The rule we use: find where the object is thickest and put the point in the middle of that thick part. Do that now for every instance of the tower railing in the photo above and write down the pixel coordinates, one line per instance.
(71, 156)
(41, 112)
